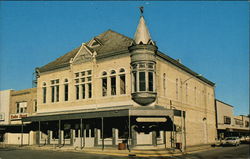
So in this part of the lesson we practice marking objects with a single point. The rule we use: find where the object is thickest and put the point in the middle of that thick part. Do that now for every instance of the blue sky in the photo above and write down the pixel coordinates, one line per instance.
(211, 38)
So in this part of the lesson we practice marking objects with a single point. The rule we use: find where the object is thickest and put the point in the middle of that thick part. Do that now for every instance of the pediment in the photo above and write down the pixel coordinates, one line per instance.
(83, 55)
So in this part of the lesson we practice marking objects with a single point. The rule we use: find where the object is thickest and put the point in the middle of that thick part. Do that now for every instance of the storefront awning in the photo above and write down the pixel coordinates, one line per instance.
(131, 111)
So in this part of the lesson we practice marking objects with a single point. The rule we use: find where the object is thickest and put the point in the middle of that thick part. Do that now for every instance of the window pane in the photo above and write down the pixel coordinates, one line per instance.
(44, 94)
(104, 87)
(89, 72)
(66, 92)
(113, 85)
(77, 74)
(57, 93)
(135, 81)
(52, 94)
(17, 108)
(89, 78)
(77, 91)
(83, 73)
(150, 81)
(90, 90)
(122, 84)
(142, 81)
(83, 91)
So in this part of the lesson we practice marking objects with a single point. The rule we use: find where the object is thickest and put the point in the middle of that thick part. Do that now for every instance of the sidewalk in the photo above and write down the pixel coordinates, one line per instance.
(116, 152)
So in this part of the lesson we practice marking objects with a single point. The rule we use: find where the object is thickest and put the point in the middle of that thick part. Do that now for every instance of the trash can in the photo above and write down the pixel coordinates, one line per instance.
(121, 146)
(178, 145)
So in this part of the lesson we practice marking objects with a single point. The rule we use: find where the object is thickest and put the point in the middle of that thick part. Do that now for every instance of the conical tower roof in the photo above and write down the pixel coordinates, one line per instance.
(142, 35)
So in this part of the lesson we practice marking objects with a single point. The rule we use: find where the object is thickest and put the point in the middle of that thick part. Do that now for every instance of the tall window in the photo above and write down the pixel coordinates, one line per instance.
(55, 90)
(44, 92)
(83, 91)
(142, 81)
(113, 82)
(66, 90)
(122, 82)
(77, 91)
(104, 84)
(35, 105)
(83, 86)
(90, 90)
(150, 81)
(135, 81)
(176, 88)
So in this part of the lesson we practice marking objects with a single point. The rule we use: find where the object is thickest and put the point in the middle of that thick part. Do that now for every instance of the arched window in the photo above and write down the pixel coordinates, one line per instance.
(112, 72)
(104, 84)
(104, 73)
(113, 82)
(122, 81)
(122, 70)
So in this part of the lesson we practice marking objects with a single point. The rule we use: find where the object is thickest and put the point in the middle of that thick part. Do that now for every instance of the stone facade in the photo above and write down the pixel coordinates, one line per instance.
(112, 72)
(23, 104)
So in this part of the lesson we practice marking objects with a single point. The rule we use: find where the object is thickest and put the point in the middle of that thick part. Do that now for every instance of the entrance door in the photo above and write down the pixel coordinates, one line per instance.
(143, 138)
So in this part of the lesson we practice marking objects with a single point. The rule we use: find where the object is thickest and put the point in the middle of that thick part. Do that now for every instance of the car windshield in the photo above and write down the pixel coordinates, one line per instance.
(231, 138)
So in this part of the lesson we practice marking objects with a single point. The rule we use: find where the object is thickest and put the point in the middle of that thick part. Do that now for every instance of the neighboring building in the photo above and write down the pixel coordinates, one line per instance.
(23, 104)
(114, 88)
(4, 112)
(228, 124)
(20, 104)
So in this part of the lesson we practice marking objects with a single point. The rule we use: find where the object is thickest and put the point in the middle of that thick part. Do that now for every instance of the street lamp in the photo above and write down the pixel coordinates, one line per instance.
(183, 139)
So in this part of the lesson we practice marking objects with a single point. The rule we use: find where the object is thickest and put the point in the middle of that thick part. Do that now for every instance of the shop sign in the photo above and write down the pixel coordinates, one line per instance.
(18, 116)
(147, 119)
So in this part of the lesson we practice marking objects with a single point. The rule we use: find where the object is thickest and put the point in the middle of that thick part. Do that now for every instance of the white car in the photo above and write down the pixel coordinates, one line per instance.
(235, 141)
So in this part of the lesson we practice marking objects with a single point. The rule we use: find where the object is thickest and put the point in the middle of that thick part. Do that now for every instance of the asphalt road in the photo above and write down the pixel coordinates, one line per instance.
(240, 152)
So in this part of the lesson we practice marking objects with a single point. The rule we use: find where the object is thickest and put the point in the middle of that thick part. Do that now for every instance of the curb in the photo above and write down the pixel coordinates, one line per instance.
(116, 153)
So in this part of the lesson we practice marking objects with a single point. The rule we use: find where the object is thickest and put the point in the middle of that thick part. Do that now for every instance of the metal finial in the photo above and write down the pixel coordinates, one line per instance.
(141, 9)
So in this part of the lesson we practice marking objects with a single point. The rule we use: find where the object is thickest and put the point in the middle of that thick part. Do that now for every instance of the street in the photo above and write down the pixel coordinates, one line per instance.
(240, 152)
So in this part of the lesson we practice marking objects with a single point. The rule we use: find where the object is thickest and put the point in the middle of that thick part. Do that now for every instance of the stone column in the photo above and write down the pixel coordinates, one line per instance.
(61, 137)
(134, 136)
(114, 136)
(154, 139)
(97, 136)
(49, 136)
(72, 136)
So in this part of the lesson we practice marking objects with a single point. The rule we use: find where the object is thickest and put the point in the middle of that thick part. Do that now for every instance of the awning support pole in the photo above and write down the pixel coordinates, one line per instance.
(129, 132)
(59, 134)
(81, 134)
(39, 136)
(22, 134)
(102, 135)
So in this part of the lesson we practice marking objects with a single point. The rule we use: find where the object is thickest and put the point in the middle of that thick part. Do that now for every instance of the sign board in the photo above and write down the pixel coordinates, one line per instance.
(148, 119)
(18, 116)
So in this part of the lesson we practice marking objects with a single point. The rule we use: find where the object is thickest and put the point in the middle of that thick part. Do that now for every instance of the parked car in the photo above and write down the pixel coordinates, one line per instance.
(235, 141)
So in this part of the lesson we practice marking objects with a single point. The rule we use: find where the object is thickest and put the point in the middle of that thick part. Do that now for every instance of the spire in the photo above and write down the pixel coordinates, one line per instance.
(142, 35)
